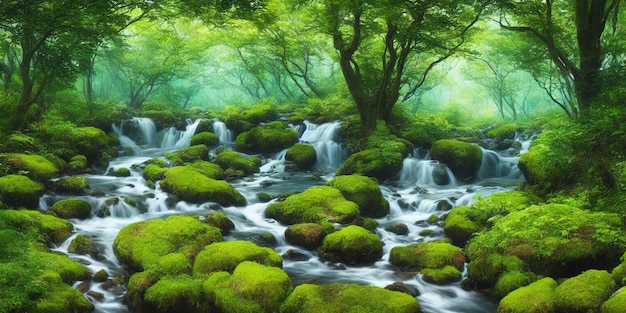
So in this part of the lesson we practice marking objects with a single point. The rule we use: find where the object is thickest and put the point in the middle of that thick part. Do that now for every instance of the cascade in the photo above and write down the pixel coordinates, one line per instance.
(330, 154)
(426, 172)
(224, 134)
(148, 130)
(174, 138)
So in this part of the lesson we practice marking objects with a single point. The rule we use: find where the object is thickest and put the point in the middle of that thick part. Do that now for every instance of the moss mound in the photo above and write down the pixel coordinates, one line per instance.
(462, 158)
(378, 163)
(537, 297)
(78, 164)
(205, 138)
(225, 256)
(81, 244)
(20, 191)
(308, 235)
(140, 245)
(175, 294)
(120, 172)
(208, 169)
(441, 276)
(363, 191)
(71, 185)
(616, 303)
(60, 297)
(506, 131)
(35, 166)
(71, 208)
(584, 293)
(54, 229)
(273, 137)
(190, 185)
(303, 156)
(229, 159)
(153, 172)
(423, 255)
(189, 155)
(314, 205)
(220, 220)
(339, 298)
(553, 239)
(351, 245)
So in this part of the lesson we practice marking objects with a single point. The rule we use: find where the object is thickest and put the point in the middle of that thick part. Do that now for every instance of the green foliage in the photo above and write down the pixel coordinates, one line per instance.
(351, 245)
(616, 303)
(512, 280)
(377, 163)
(226, 256)
(441, 276)
(220, 220)
(506, 131)
(189, 154)
(175, 294)
(208, 169)
(153, 172)
(243, 118)
(190, 185)
(308, 235)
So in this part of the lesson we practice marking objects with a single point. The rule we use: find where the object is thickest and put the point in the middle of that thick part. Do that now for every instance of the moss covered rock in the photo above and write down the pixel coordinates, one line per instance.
(441, 276)
(619, 272)
(339, 298)
(35, 166)
(71, 185)
(554, 239)
(363, 191)
(54, 229)
(205, 138)
(303, 156)
(81, 244)
(464, 221)
(175, 294)
(433, 255)
(71, 208)
(314, 205)
(462, 158)
(190, 185)
(153, 172)
(351, 245)
(78, 164)
(20, 191)
(120, 172)
(273, 137)
(308, 235)
(60, 297)
(616, 303)
(225, 256)
(220, 220)
(506, 131)
(229, 159)
(189, 154)
(252, 287)
(374, 162)
(208, 169)
(140, 245)
(485, 271)
(537, 297)
(584, 293)
(512, 280)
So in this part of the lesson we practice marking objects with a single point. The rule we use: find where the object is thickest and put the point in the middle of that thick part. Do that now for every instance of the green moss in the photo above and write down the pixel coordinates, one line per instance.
(373, 163)
(229, 159)
(71, 208)
(462, 158)
(302, 155)
(18, 191)
(220, 220)
(506, 131)
(153, 172)
(78, 164)
(273, 137)
(54, 229)
(339, 298)
(158, 162)
(137, 286)
(554, 239)
(351, 245)
(81, 244)
(36, 167)
(140, 245)
(485, 270)
(71, 185)
(175, 294)
(441, 276)
(172, 264)
(537, 297)
(120, 172)
(225, 256)
(308, 235)
(69, 270)
(314, 205)
(619, 272)
(434, 255)
(251, 288)
(512, 280)
(60, 297)
(189, 155)
(190, 185)
(363, 191)
(208, 169)
(616, 303)
(584, 293)
(205, 138)
(19, 142)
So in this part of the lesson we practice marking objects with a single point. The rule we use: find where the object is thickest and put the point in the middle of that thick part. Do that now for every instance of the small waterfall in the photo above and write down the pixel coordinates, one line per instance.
(173, 138)
(276, 164)
(494, 165)
(223, 133)
(330, 154)
(426, 172)
(125, 141)
(148, 130)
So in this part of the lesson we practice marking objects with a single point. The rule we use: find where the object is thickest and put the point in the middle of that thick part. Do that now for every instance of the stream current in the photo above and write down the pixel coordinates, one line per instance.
(413, 197)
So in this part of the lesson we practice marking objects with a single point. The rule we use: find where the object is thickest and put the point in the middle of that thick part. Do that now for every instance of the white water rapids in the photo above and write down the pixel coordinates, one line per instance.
(413, 198)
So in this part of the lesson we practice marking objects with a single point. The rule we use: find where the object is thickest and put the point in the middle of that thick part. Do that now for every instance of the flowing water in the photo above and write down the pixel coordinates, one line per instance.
(414, 196)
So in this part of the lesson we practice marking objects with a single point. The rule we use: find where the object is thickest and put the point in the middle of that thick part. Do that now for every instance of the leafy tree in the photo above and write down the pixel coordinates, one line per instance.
(571, 34)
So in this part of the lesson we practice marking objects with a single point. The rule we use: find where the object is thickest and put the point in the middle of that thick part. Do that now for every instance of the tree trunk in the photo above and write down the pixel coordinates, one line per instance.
(590, 24)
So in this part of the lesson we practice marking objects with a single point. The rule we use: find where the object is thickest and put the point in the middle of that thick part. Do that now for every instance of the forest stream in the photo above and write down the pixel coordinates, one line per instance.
(413, 195)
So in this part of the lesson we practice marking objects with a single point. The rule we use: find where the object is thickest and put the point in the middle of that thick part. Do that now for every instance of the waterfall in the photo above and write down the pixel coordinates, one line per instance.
(147, 128)
(125, 141)
(330, 154)
(494, 165)
(426, 172)
(224, 134)
(174, 138)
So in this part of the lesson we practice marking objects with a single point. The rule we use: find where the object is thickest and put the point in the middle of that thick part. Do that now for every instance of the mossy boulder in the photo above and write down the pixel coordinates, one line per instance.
(462, 158)
(314, 205)
(303, 156)
(69, 270)
(463, 221)
(252, 287)
(138, 283)
(140, 245)
(71, 185)
(584, 293)
(512, 280)
(486, 271)
(428, 255)
(153, 172)
(554, 239)
(171, 294)
(82, 244)
(190, 185)
(205, 138)
(537, 297)
(619, 272)
(189, 155)
(208, 169)
(219, 220)
(364, 191)
(20, 191)
(616, 303)
(225, 256)
(78, 164)
(308, 235)
(441, 276)
(35, 166)
(229, 159)
(119, 172)
(60, 297)
(506, 131)
(377, 163)
(273, 137)
(71, 208)
(351, 245)
(54, 229)
(339, 298)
